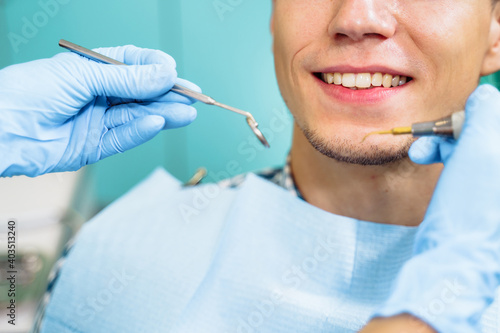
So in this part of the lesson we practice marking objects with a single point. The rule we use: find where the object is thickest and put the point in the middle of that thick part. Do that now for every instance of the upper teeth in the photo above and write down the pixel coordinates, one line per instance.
(364, 80)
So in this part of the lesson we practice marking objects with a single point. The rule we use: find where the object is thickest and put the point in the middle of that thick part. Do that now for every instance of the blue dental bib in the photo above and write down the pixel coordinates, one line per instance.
(253, 259)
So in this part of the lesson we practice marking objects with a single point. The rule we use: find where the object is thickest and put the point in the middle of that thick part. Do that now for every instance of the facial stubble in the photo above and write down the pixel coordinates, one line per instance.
(346, 151)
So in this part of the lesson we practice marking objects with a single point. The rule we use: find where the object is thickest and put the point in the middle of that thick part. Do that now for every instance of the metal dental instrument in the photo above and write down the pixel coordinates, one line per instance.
(450, 126)
(176, 88)
(200, 174)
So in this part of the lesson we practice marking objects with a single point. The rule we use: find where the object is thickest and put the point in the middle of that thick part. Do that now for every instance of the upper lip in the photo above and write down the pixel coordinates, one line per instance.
(364, 69)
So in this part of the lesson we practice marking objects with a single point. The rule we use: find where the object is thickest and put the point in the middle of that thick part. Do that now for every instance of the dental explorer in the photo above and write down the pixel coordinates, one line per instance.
(450, 126)
(89, 54)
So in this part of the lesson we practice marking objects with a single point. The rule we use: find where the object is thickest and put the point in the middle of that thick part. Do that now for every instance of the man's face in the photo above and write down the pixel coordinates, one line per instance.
(437, 45)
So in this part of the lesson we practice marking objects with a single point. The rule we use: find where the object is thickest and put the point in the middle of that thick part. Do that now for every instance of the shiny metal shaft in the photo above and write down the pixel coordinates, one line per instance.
(176, 88)
(107, 60)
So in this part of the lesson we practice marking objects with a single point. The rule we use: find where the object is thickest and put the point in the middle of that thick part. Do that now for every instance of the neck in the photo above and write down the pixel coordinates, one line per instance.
(398, 193)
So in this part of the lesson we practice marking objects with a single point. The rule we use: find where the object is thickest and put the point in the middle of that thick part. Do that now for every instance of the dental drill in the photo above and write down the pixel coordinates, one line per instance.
(450, 126)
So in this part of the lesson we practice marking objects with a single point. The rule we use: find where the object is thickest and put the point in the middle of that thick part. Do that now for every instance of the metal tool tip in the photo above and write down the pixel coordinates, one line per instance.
(197, 178)
(254, 126)
(262, 138)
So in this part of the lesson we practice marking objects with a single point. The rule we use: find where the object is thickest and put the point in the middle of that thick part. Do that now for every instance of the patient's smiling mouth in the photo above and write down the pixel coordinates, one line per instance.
(363, 80)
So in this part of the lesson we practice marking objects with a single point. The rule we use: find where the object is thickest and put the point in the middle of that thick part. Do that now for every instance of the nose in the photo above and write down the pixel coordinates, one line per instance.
(360, 19)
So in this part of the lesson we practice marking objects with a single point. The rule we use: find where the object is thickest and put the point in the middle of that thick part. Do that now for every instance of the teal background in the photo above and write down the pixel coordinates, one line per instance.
(227, 54)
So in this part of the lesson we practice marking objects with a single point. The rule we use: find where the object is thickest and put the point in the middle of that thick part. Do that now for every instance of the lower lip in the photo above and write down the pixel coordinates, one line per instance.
(360, 96)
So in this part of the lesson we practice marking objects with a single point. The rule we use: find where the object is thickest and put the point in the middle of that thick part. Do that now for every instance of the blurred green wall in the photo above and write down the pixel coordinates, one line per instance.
(225, 50)
(492, 79)
(4, 46)
(229, 55)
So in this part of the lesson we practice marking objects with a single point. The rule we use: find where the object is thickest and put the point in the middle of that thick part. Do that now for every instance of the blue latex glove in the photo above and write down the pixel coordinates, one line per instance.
(66, 112)
(456, 268)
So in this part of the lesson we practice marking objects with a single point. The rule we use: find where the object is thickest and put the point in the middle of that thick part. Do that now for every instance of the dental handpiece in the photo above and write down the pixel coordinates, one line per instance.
(89, 54)
(450, 126)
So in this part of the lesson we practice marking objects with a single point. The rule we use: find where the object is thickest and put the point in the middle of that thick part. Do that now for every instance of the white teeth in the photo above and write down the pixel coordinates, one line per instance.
(349, 80)
(387, 81)
(364, 80)
(395, 81)
(337, 78)
(377, 79)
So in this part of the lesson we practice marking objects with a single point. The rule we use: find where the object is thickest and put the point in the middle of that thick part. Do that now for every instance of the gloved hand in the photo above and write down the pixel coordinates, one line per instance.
(63, 113)
(456, 268)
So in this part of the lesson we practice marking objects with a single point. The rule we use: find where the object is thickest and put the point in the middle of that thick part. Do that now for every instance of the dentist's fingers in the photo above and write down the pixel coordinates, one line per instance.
(131, 135)
(425, 150)
(133, 55)
(178, 98)
(175, 114)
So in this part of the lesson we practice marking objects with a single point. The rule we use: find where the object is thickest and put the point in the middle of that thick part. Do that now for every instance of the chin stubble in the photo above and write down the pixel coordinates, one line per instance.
(345, 151)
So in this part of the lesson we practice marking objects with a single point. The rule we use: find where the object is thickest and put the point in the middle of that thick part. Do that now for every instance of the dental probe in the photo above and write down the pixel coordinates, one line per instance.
(89, 54)
(450, 126)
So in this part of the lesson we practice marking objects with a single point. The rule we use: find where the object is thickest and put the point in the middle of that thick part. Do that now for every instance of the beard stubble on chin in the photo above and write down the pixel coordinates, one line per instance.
(343, 150)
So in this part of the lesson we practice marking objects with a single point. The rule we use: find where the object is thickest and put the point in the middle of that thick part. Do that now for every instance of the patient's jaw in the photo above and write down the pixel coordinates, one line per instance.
(346, 68)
